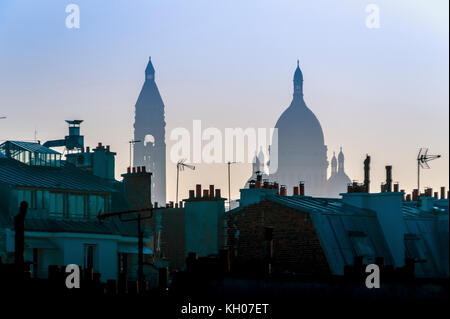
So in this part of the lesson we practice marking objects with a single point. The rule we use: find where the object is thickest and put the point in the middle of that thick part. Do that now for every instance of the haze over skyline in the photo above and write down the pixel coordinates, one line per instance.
(230, 64)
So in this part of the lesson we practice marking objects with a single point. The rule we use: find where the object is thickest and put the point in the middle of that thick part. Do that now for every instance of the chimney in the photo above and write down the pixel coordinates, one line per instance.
(396, 187)
(205, 193)
(296, 190)
(134, 170)
(415, 194)
(404, 196)
(388, 178)
(408, 197)
(143, 169)
(436, 195)
(443, 192)
(181, 204)
(258, 180)
(367, 174)
(283, 190)
(171, 204)
(191, 194)
(302, 188)
(211, 190)
(128, 170)
(138, 169)
(198, 190)
(88, 149)
(218, 193)
(156, 204)
(107, 148)
(429, 192)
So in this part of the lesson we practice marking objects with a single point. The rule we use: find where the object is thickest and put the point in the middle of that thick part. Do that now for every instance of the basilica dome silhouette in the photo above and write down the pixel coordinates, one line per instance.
(301, 152)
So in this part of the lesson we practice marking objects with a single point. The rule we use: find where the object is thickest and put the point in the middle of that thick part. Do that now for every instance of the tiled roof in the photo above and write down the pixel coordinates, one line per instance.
(66, 177)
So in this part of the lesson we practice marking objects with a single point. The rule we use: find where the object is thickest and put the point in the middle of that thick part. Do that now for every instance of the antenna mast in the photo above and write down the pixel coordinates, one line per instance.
(180, 167)
(422, 162)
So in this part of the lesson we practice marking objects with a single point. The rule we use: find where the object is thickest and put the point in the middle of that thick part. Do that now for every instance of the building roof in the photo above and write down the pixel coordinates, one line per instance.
(67, 177)
(34, 147)
(339, 225)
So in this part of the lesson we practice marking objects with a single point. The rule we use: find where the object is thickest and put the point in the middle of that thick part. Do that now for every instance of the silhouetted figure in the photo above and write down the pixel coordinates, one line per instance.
(19, 238)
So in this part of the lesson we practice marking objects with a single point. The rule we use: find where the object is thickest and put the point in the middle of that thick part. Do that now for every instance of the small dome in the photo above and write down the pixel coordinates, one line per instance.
(341, 156)
(334, 160)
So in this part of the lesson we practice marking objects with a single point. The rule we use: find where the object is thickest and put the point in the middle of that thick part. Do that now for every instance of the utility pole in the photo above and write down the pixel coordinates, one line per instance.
(229, 183)
(132, 142)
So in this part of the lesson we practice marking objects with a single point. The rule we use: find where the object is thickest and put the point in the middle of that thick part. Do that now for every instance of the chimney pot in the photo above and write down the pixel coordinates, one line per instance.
(302, 189)
(107, 148)
(88, 149)
(143, 169)
(211, 190)
(283, 190)
(191, 194)
(205, 193)
(198, 190)
(218, 193)
(388, 186)
(436, 195)
(134, 170)
(138, 169)
(128, 170)
(396, 187)
(443, 192)
(296, 190)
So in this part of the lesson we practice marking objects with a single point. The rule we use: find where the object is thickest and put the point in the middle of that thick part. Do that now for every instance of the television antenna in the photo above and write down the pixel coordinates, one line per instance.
(132, 142)
(422, 162)
(180, 167)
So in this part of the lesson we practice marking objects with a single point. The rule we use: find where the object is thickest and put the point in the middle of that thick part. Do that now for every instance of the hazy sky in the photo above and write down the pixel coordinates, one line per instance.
(230, 64)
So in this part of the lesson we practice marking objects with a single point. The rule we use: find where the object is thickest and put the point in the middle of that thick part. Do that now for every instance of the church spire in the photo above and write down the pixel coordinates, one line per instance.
(298, 82)
(334, 164)
(150, 70)
(341, 161)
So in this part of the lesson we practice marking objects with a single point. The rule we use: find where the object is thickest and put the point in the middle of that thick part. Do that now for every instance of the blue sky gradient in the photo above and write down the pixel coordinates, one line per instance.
(230, 64)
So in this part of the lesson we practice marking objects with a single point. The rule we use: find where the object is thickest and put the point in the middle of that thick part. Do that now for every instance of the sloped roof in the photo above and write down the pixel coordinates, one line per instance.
(336, 224)
(66, 177)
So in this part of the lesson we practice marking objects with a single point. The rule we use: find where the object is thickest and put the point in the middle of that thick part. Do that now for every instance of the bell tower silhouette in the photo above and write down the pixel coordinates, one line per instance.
(149, 128)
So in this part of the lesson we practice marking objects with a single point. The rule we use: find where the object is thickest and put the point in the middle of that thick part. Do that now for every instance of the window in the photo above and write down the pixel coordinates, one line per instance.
(96, 205)
(76, 205)
(412, 250)
(24, 195)
(89, 256)
(362, 246)
(56, 203)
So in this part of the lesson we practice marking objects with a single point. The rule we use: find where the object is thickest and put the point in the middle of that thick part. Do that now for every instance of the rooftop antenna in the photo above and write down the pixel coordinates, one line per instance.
(132, 142)
(180, 167)
(422, 162)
